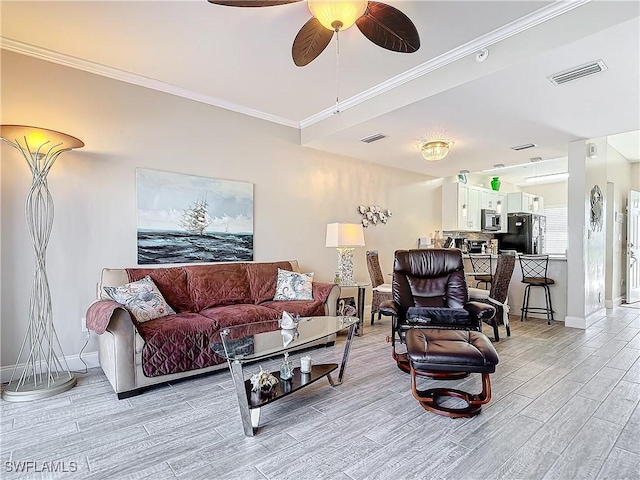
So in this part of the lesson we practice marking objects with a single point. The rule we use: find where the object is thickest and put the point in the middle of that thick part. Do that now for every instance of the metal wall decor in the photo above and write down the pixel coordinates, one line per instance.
(596, 208)
(373, 214)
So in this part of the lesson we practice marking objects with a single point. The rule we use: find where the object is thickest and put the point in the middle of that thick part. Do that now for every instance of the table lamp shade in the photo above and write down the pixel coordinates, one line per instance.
(345, 235)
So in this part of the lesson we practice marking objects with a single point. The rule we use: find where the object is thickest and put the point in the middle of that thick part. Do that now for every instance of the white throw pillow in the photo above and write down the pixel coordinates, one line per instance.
(142, 298)
(294, 286)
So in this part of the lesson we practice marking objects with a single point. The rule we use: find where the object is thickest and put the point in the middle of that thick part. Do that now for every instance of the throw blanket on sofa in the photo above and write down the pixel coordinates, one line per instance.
(181, 342)
(99, 313)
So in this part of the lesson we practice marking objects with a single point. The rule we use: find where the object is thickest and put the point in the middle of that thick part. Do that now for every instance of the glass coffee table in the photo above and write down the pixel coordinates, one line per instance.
(248, 343)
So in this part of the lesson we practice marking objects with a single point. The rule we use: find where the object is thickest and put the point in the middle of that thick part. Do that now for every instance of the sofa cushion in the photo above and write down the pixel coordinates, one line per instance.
(178, 343)
(222, 284)
(172, 282)
(142, 299)
(263, 278)
(229, 315)
(294, 286)
(304, 308)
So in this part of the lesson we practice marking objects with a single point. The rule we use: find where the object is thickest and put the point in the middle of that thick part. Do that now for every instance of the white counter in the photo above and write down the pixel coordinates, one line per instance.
(557, 270)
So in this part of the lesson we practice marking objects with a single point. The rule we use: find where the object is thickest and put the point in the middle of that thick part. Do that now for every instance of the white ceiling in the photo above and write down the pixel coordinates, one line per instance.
(240, 58)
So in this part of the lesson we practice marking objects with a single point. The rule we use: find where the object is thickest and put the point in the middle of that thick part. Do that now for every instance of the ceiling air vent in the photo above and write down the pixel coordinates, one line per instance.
(585, 70)
(524, 147)
(373, 138)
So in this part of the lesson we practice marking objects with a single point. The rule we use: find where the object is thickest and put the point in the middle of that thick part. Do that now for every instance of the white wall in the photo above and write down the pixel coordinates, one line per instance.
(618, 185)
(586, 250)
(297, 190)
(635, 176)
(555, 194)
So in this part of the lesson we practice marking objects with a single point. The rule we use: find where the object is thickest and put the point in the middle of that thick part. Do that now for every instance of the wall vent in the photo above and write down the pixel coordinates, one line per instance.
(373, 138)
(524, 147)
(575, 73)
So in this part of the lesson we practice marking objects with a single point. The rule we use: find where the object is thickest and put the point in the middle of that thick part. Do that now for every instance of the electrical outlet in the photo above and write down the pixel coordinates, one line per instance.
(84, 324)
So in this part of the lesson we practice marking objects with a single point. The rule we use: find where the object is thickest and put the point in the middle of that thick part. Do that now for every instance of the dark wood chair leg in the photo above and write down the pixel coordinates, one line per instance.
(496, 334)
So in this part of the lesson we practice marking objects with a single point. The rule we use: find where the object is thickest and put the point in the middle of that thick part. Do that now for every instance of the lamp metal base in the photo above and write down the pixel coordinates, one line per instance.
(27, 392)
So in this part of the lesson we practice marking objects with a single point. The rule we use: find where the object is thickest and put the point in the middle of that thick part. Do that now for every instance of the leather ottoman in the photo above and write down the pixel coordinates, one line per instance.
(439, 350)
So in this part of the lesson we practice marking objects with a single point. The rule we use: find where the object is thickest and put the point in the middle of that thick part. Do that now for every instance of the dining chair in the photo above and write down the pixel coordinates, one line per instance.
(381, 291)
(498, 295)
(482, 265)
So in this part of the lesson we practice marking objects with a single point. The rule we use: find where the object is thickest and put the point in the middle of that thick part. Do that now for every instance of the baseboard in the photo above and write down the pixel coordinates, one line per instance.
(575, 322)
(74, 362)
(616, 302)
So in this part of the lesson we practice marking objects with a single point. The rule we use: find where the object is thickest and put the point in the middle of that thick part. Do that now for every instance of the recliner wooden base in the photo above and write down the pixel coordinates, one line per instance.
(429, 398)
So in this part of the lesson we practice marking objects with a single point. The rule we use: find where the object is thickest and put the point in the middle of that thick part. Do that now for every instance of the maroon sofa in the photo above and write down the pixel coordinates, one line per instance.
(206, 298)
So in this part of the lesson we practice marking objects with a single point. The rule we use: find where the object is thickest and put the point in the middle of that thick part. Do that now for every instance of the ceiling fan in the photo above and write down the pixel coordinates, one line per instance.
(382, 24)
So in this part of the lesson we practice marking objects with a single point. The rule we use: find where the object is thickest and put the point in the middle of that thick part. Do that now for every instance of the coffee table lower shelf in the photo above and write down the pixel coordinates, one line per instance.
(287, 387)
(250, 402)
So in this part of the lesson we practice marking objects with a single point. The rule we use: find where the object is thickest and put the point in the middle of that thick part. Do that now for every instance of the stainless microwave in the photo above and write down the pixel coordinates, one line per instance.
(489, 220)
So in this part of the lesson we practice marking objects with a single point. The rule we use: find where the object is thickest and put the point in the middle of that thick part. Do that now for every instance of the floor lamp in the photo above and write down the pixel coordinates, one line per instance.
(45, 371)
(344, 237)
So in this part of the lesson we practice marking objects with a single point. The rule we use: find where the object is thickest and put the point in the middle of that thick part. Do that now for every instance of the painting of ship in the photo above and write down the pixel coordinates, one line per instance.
(174, 228)
(196, 219)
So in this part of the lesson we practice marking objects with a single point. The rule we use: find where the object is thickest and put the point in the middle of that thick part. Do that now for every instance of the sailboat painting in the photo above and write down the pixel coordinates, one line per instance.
(192, 219)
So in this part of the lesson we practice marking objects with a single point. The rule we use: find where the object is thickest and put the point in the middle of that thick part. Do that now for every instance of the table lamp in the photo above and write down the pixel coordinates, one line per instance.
(344, 237)
(45, 371)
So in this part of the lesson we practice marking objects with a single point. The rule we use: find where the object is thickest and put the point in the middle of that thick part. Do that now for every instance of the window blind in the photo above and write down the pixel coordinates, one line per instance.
(557, 235)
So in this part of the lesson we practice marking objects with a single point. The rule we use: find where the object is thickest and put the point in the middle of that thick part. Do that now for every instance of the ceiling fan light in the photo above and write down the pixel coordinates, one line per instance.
(337, 14)
(434, 151)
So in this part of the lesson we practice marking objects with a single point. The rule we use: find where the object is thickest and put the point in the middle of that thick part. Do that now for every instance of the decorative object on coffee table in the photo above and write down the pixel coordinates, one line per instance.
(263, 381)
(45, 371)
(344, 237)
(286, 369)
(305, 364)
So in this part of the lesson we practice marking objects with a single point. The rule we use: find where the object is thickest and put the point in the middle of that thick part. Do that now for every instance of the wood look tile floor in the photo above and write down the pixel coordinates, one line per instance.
(564, 406)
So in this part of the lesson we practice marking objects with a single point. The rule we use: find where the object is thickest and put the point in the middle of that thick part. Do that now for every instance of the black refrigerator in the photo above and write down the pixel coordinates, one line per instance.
(526, 233)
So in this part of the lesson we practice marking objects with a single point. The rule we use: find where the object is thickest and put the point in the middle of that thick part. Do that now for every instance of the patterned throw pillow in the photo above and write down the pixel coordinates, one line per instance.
(294, 286)
(142, 298)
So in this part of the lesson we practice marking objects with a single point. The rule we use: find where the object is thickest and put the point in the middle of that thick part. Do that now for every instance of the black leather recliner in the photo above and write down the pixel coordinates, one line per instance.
(430, 291)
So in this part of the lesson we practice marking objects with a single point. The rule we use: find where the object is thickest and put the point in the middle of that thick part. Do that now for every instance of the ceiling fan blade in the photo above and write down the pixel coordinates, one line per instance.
(389, 28)
(310, 42)
(252, 3)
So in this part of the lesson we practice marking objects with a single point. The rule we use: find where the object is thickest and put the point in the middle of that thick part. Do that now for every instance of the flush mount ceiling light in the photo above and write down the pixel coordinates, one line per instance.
(435, 150)
(382, 24)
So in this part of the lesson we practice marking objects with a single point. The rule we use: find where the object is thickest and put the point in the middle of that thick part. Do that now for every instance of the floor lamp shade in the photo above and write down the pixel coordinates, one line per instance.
(344, 237)
(45, 371)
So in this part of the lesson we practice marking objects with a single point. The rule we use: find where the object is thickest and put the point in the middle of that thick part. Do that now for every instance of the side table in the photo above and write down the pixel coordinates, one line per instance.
(361, 286)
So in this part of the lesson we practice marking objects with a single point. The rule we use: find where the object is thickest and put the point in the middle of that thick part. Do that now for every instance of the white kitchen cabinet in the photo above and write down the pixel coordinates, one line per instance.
(522, 202)
(460, 207)
(488, 199)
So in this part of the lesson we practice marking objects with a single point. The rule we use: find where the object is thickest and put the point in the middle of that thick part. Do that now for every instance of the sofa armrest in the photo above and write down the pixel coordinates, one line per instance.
(328, 294)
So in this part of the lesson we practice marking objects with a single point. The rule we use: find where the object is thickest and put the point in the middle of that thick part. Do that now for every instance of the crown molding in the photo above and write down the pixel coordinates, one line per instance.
(135, 79)
(528, 21)
(517, 26)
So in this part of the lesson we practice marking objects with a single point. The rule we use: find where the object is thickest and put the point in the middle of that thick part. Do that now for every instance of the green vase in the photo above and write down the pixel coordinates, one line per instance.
(495, 183)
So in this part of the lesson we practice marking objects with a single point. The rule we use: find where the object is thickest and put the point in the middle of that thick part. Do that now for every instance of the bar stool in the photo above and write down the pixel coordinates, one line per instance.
(534, 274)
(483, 266)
